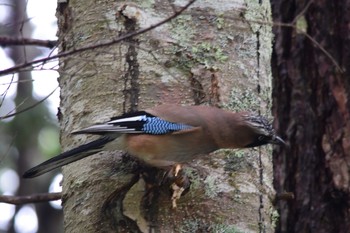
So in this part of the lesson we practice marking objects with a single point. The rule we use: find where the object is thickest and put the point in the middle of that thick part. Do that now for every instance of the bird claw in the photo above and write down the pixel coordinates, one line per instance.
(177, 169)
(180, 183)
(177, 192)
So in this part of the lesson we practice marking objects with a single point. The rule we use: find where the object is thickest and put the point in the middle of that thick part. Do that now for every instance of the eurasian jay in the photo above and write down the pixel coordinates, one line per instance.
(167, 135)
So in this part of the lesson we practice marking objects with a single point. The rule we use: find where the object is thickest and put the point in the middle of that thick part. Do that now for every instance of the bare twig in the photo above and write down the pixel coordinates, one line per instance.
(12, 82)
(7, 41)
(6, 91)
(302, 12)
(28, 108)
(341, 70)
(99, 45)
(35, 198)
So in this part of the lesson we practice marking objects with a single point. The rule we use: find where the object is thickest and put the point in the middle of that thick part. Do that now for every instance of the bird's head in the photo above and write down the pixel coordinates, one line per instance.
(262, 130)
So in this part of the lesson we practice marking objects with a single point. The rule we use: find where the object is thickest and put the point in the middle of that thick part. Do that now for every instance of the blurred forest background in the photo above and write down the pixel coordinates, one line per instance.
(34, 134)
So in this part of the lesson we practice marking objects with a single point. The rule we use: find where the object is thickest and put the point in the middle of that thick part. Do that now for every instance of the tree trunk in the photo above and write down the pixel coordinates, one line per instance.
(212, 54)
(311, 93)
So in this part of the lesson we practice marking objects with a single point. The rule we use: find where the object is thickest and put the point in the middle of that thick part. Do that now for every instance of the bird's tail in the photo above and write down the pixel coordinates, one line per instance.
(68, 157)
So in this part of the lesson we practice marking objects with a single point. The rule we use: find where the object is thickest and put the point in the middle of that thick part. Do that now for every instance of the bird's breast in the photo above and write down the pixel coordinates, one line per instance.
(167, 150)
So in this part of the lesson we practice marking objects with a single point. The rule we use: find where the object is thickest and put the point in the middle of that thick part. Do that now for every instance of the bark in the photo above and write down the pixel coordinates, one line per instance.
(213, 54)
(311, 92)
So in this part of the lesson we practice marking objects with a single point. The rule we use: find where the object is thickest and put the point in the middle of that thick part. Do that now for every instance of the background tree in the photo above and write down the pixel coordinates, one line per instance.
(311, 99)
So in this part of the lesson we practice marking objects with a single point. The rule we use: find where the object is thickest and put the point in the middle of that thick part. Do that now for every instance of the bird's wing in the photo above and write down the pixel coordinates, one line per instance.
(137, 122)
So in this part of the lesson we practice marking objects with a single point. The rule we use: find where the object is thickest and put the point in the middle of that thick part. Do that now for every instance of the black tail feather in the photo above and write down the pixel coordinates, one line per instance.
(68, 157)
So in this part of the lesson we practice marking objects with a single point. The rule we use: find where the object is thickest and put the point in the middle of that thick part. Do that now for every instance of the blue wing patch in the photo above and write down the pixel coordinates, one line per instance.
(137, 122)
(155, 125)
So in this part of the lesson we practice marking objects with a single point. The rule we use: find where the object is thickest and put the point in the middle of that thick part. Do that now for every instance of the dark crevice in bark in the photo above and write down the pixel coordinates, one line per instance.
(262, 228)
(113, 210)
(214, 90)
(64, 17)
(205, 86)
(131, 77)
(197, 90)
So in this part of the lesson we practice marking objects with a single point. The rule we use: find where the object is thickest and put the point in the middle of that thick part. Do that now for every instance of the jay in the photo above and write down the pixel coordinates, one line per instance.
(167, 135)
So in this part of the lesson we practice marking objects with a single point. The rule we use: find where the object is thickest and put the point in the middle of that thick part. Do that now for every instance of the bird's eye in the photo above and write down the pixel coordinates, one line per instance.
(261, 138)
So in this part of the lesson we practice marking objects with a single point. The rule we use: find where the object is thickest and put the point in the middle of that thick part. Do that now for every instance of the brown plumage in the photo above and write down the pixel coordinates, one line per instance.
(169, 134)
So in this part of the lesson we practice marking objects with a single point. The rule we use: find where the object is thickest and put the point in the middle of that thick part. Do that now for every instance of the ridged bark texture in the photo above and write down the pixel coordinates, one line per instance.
(311, 99)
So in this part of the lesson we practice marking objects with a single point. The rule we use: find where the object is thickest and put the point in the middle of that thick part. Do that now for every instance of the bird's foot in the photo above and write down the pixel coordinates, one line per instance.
(177, 192)
(177, 169)
(180, 183)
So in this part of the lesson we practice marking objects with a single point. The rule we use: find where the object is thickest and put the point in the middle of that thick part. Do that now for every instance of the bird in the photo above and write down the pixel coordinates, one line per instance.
(169, 134)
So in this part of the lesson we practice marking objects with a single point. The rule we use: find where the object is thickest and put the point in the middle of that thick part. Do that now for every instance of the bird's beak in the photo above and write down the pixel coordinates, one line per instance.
(277, 140)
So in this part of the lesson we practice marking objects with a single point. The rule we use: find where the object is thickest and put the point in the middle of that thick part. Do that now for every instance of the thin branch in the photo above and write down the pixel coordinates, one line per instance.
(35, 198)
(302, 12)
(99, 45)
(7, 89)
(12, 82)
(7, 41)
(341, 70)
(28, 108)
(17, 106)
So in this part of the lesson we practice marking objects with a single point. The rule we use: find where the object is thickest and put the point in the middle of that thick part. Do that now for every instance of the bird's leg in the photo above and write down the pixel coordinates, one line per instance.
(156, 180)
(177, 168)
(179, 183)
(177, 192)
